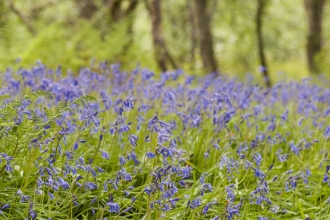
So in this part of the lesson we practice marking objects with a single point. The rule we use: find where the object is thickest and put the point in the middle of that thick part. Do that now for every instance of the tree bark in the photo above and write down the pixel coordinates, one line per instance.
(314, 10)
(161, 53)
(87, 8)
(205, 36)
(115, 10)
(261, 48)
(193, 37)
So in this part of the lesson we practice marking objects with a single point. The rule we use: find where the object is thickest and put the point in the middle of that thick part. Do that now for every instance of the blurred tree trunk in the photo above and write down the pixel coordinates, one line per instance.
(261, 48)
(205, 35)
(129, 13)
(160, 50)
(193, 37)
(115, 9)
(314, 10)
(87, 8)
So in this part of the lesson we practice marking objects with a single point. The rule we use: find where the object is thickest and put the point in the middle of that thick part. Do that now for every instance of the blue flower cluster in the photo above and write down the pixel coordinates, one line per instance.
(107, 143)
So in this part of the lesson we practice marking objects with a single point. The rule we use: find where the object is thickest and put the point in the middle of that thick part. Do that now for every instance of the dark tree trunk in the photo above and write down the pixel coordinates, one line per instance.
(115, 10)
(87, 8)
(205, 35)
(193, 37)
(261, 48)
(314, 10)
(160, 50)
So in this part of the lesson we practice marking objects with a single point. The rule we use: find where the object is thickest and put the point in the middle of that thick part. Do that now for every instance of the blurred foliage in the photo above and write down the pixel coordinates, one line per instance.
(63, 38)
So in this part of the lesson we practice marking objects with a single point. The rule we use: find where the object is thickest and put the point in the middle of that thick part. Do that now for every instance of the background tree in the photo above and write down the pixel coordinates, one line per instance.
(261, 47)
(161, 53)
(122, 31)
(205, 35)
(192, 30)
(87, 8)
(314, 10)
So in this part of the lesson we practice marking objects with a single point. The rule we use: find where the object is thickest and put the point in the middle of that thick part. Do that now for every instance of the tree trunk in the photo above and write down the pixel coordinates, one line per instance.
(161, 53)
(115, 10)
(261, 49)
(314, 10)
(87, 8)
(205, 36)
(193, 37)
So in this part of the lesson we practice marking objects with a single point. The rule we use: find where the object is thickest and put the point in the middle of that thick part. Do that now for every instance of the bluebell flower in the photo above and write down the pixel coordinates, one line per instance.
(150, 155)
(51, 196)
(152, 122)
(112, 130)
(189, 80)
(105, 187)
(300, 121)
(124, 128)
(75, 146)
(326, 132)
(99, 169)
(33, 214)
(194, 203)
(125, 176)
(294, 148)
(284, 116)
(257, 158)
(127, 209)
(89, 168)
(147, 190)
(69, 154)
(133, 139)
(206, 209)
(63, 183)
(186, 172)
(90, 186)
(128, 103)
(258, 173)
(326, 112)
(181, 183)
(122, 160)
(93, 201)
(114, 207)
(5, 206)
(216, 146)
(105, 155)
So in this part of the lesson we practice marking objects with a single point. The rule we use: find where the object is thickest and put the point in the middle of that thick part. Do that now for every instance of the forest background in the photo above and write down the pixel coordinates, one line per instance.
(275, 37)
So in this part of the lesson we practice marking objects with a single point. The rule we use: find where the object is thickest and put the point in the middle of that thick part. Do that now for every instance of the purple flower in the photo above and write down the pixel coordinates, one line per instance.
(114, 207)
(75, 146)
(150, 155)
(186, 172)
(5, 206)
(90, 186)
(194, 203)
(326, 132)
(133, 139)
(51, 196)
(63, 183)
(105, 155)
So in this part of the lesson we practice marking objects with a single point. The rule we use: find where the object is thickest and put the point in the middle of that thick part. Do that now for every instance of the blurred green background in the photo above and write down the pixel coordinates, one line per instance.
(74, 33)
